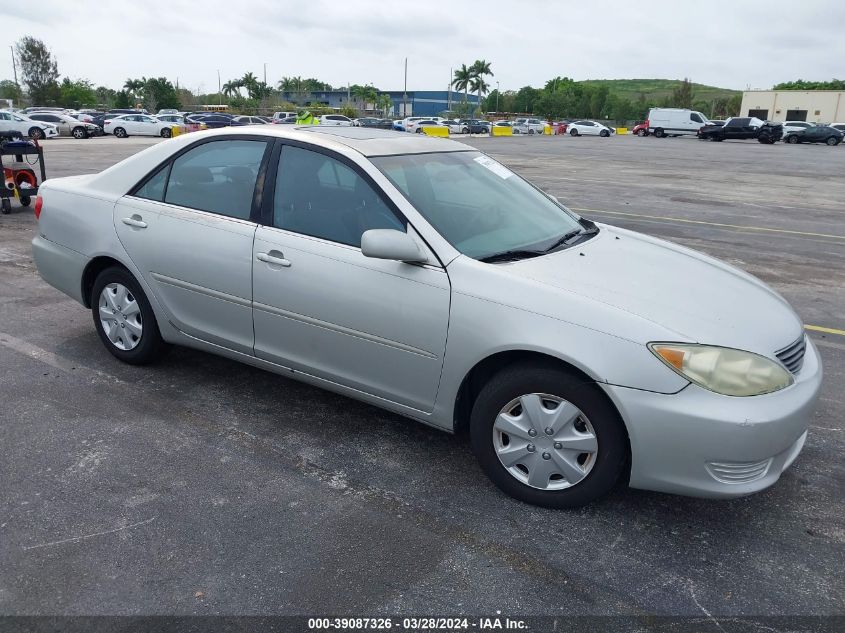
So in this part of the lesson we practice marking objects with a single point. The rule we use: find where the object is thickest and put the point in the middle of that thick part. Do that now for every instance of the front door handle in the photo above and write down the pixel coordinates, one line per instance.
(135, 221)
(274, 258)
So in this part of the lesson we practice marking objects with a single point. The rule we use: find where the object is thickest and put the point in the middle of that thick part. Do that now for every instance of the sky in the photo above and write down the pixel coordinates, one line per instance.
(737, 44)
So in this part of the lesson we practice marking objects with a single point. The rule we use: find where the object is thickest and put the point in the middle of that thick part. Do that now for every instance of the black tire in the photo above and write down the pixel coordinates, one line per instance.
(659, 133)
(166, 132)
(520, 379)
(26, 201)
(641, 133)
(792, 140)
(832, 140)
(573, 132)
(79, 132)
(604, 133)
(465, 130)
(36, 132)
(419, 130)
(151, 346)
(6, 206)
(119, 132)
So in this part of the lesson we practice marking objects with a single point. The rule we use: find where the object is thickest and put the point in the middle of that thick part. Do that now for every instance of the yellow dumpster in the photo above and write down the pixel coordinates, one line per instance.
(547, 129)
(435, 130)
(621, 130)
(175, 130)
(501, 130)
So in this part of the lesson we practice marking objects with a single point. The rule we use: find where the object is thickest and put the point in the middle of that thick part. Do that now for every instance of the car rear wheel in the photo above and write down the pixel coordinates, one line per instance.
(124, 318)
(531, 130)
(573, 132)
(832, 141)
(659, 133)
(36, 133)
(547, 437)
(792, 140)
(119, 132)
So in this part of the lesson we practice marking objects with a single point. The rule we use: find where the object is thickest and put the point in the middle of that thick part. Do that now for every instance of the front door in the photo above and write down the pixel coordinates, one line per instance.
(322, 307)
(189, 229)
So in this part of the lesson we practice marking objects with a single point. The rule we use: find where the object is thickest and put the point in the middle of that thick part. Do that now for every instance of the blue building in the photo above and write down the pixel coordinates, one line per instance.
(419, 102)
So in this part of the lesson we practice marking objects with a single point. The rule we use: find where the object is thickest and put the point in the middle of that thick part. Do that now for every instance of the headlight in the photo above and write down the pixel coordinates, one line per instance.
(730, 372)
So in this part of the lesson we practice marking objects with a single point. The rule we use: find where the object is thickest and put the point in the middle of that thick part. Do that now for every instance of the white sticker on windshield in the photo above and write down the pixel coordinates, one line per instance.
(500, 170)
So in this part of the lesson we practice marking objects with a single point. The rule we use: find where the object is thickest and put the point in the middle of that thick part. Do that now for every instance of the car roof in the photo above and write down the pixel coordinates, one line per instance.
(373, 141)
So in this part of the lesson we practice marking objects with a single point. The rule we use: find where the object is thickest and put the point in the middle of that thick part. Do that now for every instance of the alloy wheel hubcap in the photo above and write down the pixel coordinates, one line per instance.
(120, 316)
(545, 442)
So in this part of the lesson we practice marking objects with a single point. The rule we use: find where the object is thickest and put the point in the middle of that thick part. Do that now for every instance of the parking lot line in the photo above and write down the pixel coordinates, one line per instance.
(826, 330)
(719, 224)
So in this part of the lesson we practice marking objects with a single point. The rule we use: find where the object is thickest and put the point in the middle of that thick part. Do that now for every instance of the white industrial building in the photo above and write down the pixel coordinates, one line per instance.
(815, 106)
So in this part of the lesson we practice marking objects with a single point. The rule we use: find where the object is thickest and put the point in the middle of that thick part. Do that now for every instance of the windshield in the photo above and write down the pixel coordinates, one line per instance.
(478, 205)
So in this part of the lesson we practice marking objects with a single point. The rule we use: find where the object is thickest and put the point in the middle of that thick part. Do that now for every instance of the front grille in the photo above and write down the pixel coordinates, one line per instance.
(793, 356)
(738, 472)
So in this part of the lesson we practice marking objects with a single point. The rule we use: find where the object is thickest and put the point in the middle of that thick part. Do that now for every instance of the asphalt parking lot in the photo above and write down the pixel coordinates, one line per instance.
(202, 486)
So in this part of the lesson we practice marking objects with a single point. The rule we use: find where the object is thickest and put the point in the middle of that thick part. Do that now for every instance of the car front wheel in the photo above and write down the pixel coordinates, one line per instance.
(792, 140)
(36, 133)
(166, 132)
(547, 437)
(124, 318)
(79, 133)
(604, 133)
(640, 132)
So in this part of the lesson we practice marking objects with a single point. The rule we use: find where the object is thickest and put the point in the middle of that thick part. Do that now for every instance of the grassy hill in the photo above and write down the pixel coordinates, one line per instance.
(655, 89)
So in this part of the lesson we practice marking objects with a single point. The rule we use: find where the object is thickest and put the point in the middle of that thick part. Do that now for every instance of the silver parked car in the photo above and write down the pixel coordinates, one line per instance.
(422, 276)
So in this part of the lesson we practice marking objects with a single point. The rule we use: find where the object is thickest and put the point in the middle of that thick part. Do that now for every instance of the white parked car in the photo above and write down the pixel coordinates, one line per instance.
(416, 126)
(663, 122)
(17, 122)
(336, 120)
(410, 119)
(66, 124)
(175, 119)
(588, 128)
(795, 126)
(528, 126)
(278, 117)
(421, 276)
(455, 127)
(137, 125)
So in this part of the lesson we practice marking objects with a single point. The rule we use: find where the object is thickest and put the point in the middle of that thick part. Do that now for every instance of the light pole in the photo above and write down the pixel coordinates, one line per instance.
(264, 90)
(219, 89)
(497, 97)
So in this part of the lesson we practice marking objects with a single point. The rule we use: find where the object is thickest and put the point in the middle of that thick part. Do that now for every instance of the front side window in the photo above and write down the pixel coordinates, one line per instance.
(694, 117)
(478, 205)
(218, 177)
(322, 197)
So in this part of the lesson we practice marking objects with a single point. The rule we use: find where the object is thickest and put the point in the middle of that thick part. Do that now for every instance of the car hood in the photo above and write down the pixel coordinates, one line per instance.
(694, 297)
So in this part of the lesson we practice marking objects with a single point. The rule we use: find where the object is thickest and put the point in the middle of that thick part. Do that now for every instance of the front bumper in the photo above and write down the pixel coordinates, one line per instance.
(703, 444)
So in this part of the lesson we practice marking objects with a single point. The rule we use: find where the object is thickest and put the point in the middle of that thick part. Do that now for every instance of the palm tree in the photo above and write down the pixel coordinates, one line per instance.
(479, 70)
(232, 88)
(463, 76)
(365, 94)
(133, 86)
(384, 103)
(249, 81)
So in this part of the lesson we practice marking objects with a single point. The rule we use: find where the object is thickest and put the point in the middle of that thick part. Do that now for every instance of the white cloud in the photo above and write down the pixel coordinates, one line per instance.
(723, 43)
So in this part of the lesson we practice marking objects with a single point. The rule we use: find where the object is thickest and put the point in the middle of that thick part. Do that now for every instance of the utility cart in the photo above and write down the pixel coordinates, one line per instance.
(19, 178)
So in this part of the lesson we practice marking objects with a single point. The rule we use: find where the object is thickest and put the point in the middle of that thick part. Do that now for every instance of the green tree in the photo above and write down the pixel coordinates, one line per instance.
(479, 70)
(123, 100)
(800, 84)
(683, 96)
(77, 94)
(39, 71)
(525, 98)
(133, 88)
(463, 77)
(384, 103)
(232, 88)
(10, 90)
(159, 93)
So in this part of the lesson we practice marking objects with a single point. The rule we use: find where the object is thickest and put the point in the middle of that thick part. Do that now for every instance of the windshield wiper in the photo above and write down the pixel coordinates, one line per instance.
(564, 239)
(510, 256)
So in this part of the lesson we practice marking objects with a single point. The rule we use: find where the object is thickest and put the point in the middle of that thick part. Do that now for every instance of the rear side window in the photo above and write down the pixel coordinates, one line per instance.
(218, 177)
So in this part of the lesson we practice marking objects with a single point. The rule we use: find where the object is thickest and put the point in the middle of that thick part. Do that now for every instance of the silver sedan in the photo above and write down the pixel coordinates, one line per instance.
(422, 276)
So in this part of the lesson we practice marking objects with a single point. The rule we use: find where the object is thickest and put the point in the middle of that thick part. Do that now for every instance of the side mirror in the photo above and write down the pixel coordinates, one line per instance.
(391, 244)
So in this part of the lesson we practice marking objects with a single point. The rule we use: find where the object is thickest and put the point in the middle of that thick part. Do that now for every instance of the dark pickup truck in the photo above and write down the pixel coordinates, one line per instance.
(743, 128)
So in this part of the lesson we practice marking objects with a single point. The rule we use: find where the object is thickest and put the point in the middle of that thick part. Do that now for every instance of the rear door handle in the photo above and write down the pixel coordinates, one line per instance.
(274, 258)
(135, 221)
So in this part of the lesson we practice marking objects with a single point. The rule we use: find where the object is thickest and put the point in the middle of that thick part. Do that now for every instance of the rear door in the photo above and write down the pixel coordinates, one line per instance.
(322, 307)
(189, 229)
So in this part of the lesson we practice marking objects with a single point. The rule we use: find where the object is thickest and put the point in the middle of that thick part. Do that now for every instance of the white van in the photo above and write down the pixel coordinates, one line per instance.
(674, 121)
